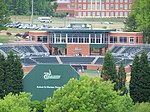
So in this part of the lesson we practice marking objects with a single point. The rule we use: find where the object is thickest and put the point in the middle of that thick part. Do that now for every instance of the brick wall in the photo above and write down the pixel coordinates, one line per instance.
(73, 49)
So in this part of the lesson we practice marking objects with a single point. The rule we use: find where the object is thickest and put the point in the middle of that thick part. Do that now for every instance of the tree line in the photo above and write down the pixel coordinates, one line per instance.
(24, 7)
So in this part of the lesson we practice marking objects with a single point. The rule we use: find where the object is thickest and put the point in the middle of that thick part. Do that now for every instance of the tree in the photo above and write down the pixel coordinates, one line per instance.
(141, 107)
(39, 106)
(2, 75)
(130, 23)
(88, 95)
(109, 68)
(4, 15)
(140, 83)
(14, 74)
(144, 82)
(15, 103)
(121, 79)
(138, 19)
(135, 70)
(11, 75)
(55, 6)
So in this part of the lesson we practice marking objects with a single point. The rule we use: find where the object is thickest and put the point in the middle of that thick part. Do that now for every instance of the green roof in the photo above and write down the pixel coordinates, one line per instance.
(69, 30)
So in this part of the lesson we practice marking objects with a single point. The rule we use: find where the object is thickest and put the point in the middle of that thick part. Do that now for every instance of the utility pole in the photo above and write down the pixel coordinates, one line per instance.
(32, 13)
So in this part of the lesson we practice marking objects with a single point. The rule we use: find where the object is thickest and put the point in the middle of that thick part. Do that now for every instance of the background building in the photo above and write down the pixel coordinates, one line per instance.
(95, 8)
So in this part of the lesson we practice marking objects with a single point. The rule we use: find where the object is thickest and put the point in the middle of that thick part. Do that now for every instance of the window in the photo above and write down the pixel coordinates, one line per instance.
(89, 13)
(86, 40)
(123, 39)
(102, 14)
(80, 40)
(125, 14)
(79, 13)
(102, 6)
(121, 1)
(113, 39)
(98, 13)
(84, 6)
(57, 39)
(92, 38)
(121, 14)
(69, 40)
(84, 0)
(107, 1)
(42, 39)
(125, 1)
(93, 0)
(79, 0)
(116, 1)
(112, 14)
(111, 1)
(131, 40)
(75, 40)
(89, 6)
(32, 38)
(89, 1)
(93, 6)
(72, 6)
(107, 14)
(80, 6)
(130, 1)
(121, 6)
(107, 6)
(63, 37)
(84, 13)
(116, 14)
(125, 6)
(112, 6)
(137, 40)
(116, 6)
(98, 6)
(93, 13)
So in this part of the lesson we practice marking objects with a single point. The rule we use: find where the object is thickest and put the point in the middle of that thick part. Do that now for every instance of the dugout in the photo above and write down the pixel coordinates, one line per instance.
(43, 79)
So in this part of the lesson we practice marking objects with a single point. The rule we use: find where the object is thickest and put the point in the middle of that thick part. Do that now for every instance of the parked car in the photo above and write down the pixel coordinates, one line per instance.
(45, 19)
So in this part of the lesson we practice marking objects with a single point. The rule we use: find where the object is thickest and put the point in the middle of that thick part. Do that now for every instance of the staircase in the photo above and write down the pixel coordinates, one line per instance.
(59, 60)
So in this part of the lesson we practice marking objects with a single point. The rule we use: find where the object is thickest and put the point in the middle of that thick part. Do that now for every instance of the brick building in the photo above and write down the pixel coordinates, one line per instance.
(95, 8)
(68, 41)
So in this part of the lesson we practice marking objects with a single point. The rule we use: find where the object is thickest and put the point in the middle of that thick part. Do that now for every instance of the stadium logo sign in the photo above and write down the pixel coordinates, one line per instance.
(48, 75)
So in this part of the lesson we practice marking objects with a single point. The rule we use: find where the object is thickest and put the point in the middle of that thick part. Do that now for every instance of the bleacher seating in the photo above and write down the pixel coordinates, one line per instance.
(23, 50)
(28, 61)
(40, 49)
(45, 60)
(99, 60)
(77, 60)
(129, 50)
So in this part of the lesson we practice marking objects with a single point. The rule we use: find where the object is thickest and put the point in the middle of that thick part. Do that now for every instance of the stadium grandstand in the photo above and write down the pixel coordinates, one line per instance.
(32, 55)
(77, 45)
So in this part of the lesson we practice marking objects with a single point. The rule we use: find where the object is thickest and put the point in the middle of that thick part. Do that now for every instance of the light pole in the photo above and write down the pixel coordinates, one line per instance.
(32, 14)
(100, 11)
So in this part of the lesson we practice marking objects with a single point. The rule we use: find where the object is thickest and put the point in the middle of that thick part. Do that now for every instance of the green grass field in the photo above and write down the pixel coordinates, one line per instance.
(65, 21)
(6, 39)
